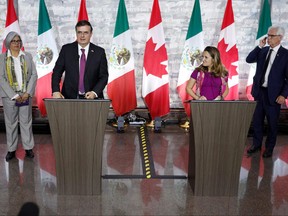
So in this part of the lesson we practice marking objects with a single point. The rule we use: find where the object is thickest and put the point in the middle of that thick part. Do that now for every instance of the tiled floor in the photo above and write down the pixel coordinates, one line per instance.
(263, 184)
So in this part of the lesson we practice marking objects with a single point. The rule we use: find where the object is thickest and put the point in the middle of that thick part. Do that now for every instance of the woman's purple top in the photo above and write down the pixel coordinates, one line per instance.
(210, 86)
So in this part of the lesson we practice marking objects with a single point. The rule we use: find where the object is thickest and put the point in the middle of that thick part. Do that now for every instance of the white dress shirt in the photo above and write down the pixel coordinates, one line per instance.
(272, 57)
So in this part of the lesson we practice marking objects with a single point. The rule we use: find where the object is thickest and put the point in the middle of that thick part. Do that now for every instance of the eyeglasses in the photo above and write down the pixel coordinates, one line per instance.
(16, 41)
(272, 36)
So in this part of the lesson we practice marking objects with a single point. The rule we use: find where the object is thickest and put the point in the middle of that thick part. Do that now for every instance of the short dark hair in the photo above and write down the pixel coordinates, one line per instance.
(83, 23)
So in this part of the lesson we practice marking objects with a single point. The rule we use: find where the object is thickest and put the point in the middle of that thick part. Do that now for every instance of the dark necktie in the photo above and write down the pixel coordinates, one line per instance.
(265, 66)
(82, 71)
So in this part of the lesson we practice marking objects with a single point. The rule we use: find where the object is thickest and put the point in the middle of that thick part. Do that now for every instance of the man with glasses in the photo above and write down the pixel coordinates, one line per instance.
(85, 67)
(270, 88)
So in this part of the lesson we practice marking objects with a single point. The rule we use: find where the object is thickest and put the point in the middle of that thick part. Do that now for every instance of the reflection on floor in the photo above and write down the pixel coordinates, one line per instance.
(126, 190)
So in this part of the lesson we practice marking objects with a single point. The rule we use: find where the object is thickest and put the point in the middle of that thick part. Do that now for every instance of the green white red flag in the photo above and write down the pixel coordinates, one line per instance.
(263, 25)
(121, 82)
(191, 56)
(47, 54)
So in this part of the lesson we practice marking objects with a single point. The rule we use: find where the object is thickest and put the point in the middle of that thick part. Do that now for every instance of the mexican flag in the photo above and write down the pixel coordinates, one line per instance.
(155, 83)
(47, 55)
(264, 24)
(229, 51)
(121, 82)
(191, 56)
(12, 23)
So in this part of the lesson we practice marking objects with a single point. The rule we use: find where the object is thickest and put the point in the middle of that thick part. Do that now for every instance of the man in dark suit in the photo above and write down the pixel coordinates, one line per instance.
(270, 88)
(95, 71)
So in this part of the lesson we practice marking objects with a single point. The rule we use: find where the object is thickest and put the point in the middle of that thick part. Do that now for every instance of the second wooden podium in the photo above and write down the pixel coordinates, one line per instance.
(77, 129)
(218, 133)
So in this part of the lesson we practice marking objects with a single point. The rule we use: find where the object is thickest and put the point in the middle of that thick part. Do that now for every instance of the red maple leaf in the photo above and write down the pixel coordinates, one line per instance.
(151, 190)
(229, 57)
(153, 59)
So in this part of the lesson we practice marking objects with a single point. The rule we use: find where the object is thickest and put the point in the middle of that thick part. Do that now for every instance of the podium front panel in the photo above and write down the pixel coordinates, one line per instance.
(218, 134)
(77, 129)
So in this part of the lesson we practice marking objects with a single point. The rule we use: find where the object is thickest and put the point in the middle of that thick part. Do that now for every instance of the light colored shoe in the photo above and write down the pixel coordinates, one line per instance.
(150, 124)
(185, 125)
(115, 124)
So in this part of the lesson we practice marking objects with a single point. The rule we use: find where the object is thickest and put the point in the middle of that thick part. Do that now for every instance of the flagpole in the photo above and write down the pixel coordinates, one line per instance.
(155, 80)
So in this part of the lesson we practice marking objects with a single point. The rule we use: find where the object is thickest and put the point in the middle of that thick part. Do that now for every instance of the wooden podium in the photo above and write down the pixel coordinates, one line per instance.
(77, 129)
(218, 134)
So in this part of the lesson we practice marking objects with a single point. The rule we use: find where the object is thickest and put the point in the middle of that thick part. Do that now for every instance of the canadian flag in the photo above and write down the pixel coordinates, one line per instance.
(83, 15)
(229, 51)
(12, 23)
(155, 83)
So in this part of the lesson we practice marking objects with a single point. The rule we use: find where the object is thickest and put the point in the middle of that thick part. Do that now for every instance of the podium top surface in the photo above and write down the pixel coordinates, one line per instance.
(222, 101)
(76, 100)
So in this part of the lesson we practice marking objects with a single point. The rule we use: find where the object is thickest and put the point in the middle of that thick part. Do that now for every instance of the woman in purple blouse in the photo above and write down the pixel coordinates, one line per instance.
(210, 78)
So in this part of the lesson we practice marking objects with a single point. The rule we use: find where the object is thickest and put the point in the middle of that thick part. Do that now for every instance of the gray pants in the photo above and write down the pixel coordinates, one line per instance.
(14, 114)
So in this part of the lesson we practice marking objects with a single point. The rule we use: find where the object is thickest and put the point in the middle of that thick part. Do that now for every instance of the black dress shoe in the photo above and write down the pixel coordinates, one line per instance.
(10, 155)
(253, 149)
(267, 154)
(29, 153)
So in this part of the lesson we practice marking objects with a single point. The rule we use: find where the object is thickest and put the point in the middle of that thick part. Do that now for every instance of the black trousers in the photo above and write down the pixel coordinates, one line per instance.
(271, 112)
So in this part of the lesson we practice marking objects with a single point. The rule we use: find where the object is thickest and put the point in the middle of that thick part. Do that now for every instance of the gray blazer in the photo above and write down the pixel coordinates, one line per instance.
(5, 88)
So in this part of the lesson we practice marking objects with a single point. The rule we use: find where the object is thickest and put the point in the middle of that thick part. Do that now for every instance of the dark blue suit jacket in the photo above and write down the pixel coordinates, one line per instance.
(96, 71)
(278, 76)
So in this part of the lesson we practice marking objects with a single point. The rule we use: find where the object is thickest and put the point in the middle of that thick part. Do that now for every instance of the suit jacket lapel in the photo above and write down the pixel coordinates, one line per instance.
(75, 58)
(278, 54)
(27, 63)
(91, 53)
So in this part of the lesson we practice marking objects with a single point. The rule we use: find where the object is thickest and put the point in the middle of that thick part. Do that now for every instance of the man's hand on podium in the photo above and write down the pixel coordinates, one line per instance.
(90, 95)
(57, 95)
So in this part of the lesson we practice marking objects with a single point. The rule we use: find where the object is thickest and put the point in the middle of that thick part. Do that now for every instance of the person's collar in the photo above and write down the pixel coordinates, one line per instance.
(276, 48)
(86, 47)
(9, 53)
